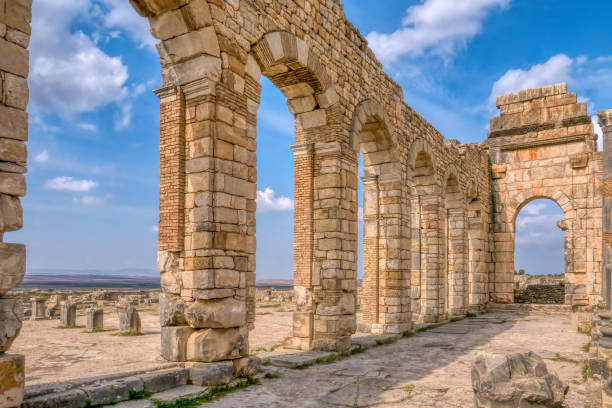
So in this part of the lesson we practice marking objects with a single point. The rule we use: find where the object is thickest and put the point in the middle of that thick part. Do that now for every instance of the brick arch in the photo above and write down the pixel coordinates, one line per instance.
(451, 171)
(366, 112)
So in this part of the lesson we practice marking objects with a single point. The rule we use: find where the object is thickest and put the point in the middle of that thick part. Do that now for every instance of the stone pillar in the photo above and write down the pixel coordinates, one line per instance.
(15, 17)
(371, 234)
(605, 121)
(129, 320)
(38, 309)
(95, 319)
(68, 314)
(303, 241)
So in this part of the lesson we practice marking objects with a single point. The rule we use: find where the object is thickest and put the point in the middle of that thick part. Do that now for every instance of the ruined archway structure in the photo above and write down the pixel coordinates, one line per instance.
(438, 214)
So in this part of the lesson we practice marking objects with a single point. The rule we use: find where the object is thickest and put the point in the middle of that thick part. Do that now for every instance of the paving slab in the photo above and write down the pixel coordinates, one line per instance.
(144, 403)
(184, 391)
(298, 360)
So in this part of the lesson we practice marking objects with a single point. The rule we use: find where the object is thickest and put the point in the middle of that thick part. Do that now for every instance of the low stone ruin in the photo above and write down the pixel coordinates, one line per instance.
(517, 380)
(68, 314)
(129, 320)
(539, 289)
(95, 319)
(38, 309)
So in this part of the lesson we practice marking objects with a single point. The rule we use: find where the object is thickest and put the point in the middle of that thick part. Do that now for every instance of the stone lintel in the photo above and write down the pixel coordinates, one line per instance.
(200, 87)
(369, 179)
(545, 142)
(301, 149)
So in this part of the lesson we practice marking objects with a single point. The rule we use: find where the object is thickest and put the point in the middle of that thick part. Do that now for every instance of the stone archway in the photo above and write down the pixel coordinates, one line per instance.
(386, 282)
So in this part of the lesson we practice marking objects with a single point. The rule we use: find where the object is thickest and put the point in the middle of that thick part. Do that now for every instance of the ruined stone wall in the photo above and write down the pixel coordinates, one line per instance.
(543, 146)
(15, 17)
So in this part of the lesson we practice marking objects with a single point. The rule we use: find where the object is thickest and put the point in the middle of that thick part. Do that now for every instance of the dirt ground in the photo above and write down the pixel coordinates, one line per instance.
(431, 369)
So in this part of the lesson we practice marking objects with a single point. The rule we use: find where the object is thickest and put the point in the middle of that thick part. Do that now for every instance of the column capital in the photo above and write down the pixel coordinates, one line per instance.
(605, 118)
(166, 94)
(199, 87)
(300, 149)
(369, 179)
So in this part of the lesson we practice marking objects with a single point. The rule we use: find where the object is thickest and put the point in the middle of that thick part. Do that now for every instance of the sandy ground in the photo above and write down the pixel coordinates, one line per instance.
(54, 354)
(431, 369)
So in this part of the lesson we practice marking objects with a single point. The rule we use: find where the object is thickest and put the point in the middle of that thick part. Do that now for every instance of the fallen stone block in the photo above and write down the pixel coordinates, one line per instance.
(12, 380)
(11, 316)
(515, 380)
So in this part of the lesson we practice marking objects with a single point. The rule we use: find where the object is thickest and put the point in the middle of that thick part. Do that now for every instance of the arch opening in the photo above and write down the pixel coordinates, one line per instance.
(540, 228)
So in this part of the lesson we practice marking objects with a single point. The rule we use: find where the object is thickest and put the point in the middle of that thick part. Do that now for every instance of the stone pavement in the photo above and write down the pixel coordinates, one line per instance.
(431, 369)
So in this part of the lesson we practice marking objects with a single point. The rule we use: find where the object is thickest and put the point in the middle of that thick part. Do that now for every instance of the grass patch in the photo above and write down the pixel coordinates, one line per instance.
(212, 394)
(470, 315)
(586, 348)
(582, 331)
(270, 305)
(258, 349)
(357, 350)
(560, 358)
(70, 327)
(270, 376)
(585, 371)
(120, 334)
(138, 395)
(457, 319)
(96, 331)
(274, 347)
(266, 363)
(407, 334)
(382, 342)
(425, 328)
(409, 389)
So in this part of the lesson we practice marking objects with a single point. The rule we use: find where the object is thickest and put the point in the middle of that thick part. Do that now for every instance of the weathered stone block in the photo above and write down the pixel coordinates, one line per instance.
(15, 91)
(12, 150)
(95, 318)
(211, 373)
(11, 316)
(12, 381)
(18, 14)
(12, 266)
(199, 279)
(217, 313)
(11, 214)
(247, 366)
(170, 283)
(171, 310)
(129, 319)
(68, 314)
(12, 184)
(174, 342)
(15, 59)
(211, 345)
(168, 25)
(203, 41)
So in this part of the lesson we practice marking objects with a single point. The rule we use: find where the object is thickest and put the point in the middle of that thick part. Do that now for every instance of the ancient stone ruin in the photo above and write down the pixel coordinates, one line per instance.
(439, 216)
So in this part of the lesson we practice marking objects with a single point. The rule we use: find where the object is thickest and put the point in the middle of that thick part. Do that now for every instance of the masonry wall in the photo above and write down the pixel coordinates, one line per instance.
(15, 17)
(543, 146)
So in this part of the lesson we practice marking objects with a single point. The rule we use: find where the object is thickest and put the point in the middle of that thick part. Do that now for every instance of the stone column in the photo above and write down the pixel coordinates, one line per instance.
(15, 18)
(303, 241)
(68, 314)
(605, 121)
(371, 234)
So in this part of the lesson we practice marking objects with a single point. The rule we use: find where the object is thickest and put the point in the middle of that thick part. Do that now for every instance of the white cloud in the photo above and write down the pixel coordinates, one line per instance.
(438, 26)
(69, 184)
(123, 118)
(89, 200)
(42, 157)
(557, 69)
(536, 224)
(69, 73)
(122, 15)
(154, 228)
(267, 201)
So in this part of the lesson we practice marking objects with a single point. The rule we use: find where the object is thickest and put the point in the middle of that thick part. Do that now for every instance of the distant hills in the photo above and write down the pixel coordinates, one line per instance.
(132, 278)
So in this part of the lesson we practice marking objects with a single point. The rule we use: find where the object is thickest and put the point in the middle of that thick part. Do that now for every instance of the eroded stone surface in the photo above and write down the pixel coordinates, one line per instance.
(12, 367)
(11, 317)
(129, 320)
(12, 266)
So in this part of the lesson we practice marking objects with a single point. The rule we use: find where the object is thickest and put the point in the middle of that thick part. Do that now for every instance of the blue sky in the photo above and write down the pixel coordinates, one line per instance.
(93, 164)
